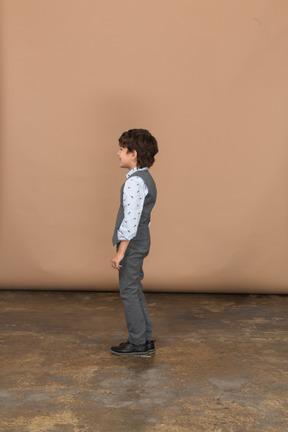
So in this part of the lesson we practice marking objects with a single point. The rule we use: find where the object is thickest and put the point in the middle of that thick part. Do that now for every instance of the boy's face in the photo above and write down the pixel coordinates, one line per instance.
(127, 159)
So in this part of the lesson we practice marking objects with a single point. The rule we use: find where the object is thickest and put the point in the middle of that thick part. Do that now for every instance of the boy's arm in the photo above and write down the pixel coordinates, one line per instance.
(115, 262)
(134, 193)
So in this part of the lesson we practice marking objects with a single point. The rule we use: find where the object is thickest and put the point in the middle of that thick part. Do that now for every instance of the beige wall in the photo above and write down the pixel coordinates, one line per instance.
(207, 78)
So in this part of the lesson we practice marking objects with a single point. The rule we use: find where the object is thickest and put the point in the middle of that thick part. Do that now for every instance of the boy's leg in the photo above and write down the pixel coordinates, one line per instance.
(130, 276)
(148, 322)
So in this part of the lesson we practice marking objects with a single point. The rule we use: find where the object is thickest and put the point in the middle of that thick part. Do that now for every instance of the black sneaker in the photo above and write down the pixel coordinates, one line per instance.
(128, 348)
(151, 347)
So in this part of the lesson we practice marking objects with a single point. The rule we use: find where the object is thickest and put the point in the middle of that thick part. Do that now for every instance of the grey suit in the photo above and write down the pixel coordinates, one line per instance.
(139, 324)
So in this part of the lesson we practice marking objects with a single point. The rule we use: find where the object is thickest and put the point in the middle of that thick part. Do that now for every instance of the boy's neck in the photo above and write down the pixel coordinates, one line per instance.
(132, 166)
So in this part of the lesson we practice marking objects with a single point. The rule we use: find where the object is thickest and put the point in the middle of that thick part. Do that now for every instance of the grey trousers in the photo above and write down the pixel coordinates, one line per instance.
(131, 273)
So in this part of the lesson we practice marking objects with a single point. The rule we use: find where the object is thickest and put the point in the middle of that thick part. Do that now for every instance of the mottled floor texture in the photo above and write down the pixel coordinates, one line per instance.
(221, 364)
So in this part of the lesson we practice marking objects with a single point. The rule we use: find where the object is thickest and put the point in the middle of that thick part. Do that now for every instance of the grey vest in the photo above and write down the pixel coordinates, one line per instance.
(150, 199)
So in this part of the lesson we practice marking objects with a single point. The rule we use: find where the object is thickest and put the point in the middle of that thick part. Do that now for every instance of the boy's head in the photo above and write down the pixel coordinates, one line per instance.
(143, 143)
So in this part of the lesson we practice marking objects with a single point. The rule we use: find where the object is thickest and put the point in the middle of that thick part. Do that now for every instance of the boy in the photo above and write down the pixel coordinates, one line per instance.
(132, 237)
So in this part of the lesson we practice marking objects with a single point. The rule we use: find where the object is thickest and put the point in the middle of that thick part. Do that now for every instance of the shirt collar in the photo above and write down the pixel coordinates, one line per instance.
(134, 170)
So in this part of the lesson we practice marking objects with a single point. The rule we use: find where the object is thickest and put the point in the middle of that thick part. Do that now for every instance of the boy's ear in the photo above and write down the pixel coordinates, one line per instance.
(134, 155)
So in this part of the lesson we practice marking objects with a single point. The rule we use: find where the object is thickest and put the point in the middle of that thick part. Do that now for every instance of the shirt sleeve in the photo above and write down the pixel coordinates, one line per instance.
(134, 193)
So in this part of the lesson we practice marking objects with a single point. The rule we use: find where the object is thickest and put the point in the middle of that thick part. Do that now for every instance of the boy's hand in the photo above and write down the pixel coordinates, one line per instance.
(115, 262)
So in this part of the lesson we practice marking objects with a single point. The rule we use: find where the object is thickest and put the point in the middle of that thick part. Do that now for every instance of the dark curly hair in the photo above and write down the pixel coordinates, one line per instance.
(143, 142)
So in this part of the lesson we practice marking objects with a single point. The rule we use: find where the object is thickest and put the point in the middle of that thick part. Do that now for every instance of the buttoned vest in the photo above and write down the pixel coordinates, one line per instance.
(149, 202)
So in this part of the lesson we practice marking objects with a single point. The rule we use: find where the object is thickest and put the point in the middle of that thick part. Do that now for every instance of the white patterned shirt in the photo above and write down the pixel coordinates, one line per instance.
(134, 193)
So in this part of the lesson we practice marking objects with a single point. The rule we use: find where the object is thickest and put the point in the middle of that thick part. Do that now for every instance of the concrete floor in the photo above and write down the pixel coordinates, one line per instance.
(221, 364)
